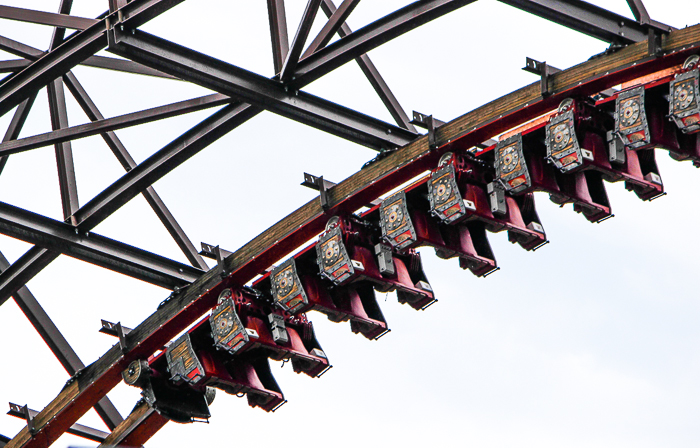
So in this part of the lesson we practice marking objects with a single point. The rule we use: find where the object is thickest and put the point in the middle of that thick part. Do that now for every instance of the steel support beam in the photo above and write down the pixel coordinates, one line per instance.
(162, 162)
(58, 345)
(79, 47)
(257, 90)
(372, 74)
(92, 248)
(104, 125)
(129, 186)
(62, 20)
(32, 54)
(300, 39)
(278, 32)
(137, 428)
(380, 177)
(589, 19)
(371, 36)
(335, 21)
(64, 152)
(120, 152)
(77, 429)
(18, 119)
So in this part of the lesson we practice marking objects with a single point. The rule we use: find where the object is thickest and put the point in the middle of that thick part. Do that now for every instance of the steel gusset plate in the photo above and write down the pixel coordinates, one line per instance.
(511, 168)
(684, 107)
(631, 118)
(286, 288)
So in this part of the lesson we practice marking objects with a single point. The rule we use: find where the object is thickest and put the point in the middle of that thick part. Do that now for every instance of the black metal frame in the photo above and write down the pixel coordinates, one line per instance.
(242, 94)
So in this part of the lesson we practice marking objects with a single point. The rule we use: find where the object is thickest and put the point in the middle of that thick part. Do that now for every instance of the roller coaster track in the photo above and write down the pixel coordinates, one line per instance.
(404, 156)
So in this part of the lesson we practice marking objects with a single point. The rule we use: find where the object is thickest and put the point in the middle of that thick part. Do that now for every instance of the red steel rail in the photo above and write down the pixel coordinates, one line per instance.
(185, 307)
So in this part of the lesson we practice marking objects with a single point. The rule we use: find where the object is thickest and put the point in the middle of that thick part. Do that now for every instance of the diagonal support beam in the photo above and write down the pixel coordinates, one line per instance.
(58, 345)
(18, 120)
(372, 74)
(335, 21)
(639, 11)
(64, 151)
(77, 429)
(278, 32)
(371, 36)
(156, 203)
(307, 20)
(58, 237)
(257, 90)
(102, 125)
(62, 20)
(589, 19)
(79, 47)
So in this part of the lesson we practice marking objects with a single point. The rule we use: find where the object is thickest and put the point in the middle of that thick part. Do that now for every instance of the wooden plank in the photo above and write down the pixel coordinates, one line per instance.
(349, 195)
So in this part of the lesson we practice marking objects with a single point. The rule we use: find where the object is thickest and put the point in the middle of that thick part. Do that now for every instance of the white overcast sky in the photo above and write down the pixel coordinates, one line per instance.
(589, 342)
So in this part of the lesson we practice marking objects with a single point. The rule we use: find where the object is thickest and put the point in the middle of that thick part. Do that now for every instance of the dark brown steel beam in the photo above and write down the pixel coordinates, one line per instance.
(120, 152)
(58, 345)
(382, 176)
(372, 36)
(162, 162)
(64, 151)
(278, 32)
(236, 82)
(639, 11)
(32, 54)
(103, 125)
(77, 429)
(13, 65)
(45, 18)
(307, 20)
(139, 426)
(375, 79)
(76, 49)
(18, 119)
(60, 237)
(589, 19)
(335, 21)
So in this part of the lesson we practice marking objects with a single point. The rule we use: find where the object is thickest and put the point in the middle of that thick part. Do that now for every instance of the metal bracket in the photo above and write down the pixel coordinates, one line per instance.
(208, 251)
(110, 328)
(429, 123)
(318, 183)
(29, 418)
(122, 337)
(311, 181)
(219, 262)
(654, 43)
(542, 69)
